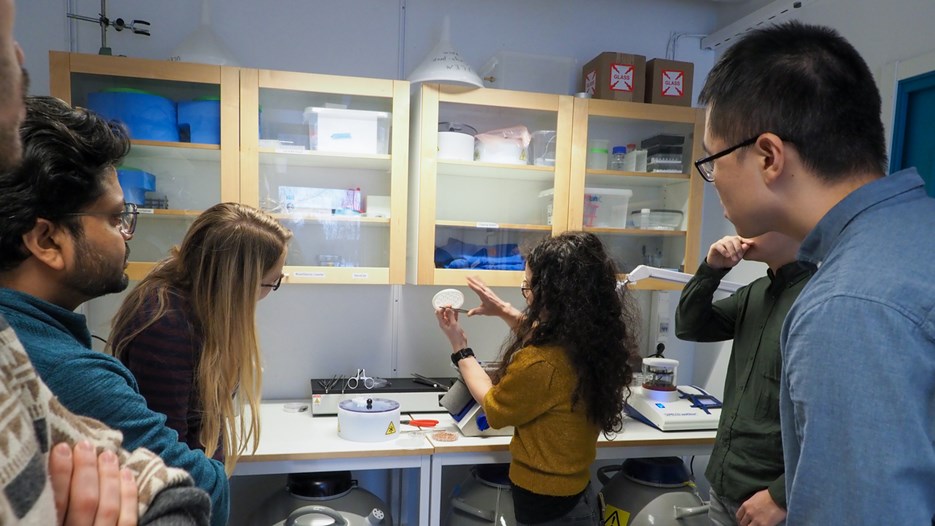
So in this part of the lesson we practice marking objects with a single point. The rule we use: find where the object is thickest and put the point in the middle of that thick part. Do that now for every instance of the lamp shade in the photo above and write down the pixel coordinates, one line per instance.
(444, 64)
(203, 46)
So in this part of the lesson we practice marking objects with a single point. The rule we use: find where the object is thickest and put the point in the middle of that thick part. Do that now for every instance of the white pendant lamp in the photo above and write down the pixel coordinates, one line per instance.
(203, 46)
(444, 64)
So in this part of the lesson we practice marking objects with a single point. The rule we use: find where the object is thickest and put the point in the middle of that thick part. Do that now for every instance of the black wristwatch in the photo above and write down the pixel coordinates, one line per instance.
(457, 356)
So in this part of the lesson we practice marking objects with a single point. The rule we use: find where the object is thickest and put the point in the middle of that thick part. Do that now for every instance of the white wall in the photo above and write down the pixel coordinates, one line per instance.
(316, 331)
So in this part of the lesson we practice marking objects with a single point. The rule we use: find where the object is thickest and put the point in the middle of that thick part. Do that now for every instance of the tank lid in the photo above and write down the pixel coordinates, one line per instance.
(318, 485)
(664, 472)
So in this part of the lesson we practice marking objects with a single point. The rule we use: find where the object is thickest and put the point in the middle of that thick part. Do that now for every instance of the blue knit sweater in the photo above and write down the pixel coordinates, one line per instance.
(94, 384)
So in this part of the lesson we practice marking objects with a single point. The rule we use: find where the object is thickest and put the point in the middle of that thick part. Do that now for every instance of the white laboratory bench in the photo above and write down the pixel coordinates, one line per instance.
(298, 442)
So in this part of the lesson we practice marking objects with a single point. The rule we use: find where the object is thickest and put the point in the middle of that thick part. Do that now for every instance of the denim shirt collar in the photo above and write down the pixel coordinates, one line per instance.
(819, 242)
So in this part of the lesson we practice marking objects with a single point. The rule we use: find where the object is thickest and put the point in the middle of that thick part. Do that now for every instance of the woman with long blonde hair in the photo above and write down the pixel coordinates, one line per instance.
(188, 330)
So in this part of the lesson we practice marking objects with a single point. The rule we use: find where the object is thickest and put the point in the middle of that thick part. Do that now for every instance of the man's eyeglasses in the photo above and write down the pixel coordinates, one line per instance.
(274, 286)
(127, 218)
(705, 166)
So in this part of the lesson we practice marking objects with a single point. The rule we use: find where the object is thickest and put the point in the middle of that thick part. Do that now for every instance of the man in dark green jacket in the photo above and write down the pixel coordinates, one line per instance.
(746, 470)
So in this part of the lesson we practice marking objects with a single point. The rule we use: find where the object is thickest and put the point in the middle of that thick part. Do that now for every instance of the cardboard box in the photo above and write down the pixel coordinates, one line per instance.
(615, 76)
(669, 82)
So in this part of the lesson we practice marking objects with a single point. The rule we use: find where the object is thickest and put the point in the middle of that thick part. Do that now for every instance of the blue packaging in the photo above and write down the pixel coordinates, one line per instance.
(135, 183)
(201, 119)
(147, 116)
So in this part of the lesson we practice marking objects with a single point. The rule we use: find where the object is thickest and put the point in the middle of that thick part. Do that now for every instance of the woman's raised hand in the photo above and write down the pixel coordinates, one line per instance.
(491, 304)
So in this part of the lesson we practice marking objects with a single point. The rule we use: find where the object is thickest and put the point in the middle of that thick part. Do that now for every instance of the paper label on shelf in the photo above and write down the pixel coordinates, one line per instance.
(481, 224)
(360, 275)
(146, 211)
(301, 274)
(621, 77)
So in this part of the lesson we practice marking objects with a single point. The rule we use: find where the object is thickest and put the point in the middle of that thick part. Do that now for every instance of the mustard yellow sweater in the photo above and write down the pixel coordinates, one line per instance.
(553, 447)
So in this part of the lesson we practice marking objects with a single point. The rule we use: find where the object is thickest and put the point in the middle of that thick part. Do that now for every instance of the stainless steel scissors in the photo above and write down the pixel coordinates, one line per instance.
(356, 380)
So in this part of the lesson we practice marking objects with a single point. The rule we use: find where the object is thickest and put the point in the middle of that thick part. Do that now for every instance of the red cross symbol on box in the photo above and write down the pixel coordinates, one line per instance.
(673, 83)
(621, 77)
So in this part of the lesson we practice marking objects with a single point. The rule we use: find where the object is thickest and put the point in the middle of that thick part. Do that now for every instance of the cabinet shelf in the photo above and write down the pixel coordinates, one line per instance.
(335, 275)
(636, 232)
(322, 218)
(493, 226)
(167, 213)
(652, 284)
(175, 150)
(637, 176)
(270, 156)
(493, 278)
(496, 170)
(642, 112)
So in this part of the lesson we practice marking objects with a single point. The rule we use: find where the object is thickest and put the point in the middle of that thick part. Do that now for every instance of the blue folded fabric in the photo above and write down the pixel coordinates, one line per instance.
(459, 254)
(515, 262)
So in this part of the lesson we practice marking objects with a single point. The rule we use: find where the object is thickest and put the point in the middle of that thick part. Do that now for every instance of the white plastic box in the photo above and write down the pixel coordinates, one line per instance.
(603, 207)
(348, 131)
(319, 200)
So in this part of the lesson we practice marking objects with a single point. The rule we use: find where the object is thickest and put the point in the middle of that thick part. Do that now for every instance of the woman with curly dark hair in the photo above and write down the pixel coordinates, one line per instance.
(563, 378)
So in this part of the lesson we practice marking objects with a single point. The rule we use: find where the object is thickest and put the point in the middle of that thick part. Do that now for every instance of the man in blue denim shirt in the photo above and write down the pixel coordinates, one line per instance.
(797, 146)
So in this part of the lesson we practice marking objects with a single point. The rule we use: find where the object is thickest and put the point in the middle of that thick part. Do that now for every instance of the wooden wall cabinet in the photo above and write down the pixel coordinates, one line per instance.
(464, 211)
(473, 217)
(264, 147)
(189, 176)
(276, 154)
(678, 188)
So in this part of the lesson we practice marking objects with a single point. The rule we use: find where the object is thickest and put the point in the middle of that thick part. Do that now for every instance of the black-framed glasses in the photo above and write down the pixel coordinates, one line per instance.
(524, 288)
(274, 286)
(705, 165)
(127, 218)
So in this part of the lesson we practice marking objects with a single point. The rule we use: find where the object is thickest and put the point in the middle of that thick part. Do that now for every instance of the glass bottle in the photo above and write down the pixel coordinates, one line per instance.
(617, 161)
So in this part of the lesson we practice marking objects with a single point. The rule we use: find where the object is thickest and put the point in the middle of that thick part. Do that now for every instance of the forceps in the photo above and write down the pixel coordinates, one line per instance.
(361, 376)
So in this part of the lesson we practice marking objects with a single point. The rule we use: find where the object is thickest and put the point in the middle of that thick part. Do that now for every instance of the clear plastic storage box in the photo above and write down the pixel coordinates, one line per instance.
(349, 131)
(656, 219)
(603, 207)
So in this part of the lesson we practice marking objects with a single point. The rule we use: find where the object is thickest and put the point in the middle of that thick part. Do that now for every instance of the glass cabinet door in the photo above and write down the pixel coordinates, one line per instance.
(644, 204)
(183, 123)
(481, 202)
(326, 156)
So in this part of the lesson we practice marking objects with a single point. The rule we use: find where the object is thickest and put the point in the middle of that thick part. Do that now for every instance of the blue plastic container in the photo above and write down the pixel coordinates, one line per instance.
(147, 116)
(135, 183)
(202, 120)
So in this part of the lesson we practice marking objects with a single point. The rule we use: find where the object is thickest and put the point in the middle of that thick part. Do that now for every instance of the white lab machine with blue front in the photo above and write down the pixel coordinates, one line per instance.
(659, 402)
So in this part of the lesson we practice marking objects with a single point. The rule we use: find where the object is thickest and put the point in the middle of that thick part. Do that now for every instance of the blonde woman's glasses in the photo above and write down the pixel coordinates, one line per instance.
(274, 286)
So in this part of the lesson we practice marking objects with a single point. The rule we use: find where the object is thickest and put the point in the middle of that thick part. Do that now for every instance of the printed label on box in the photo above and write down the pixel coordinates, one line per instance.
(621, 77)
(590, 82)
(673, 83)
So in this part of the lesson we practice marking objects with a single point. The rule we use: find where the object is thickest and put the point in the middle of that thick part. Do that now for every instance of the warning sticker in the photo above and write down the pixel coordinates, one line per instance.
(673, 83)
(590, 82)
(615, 516)
(391, 429)
(621, 77)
